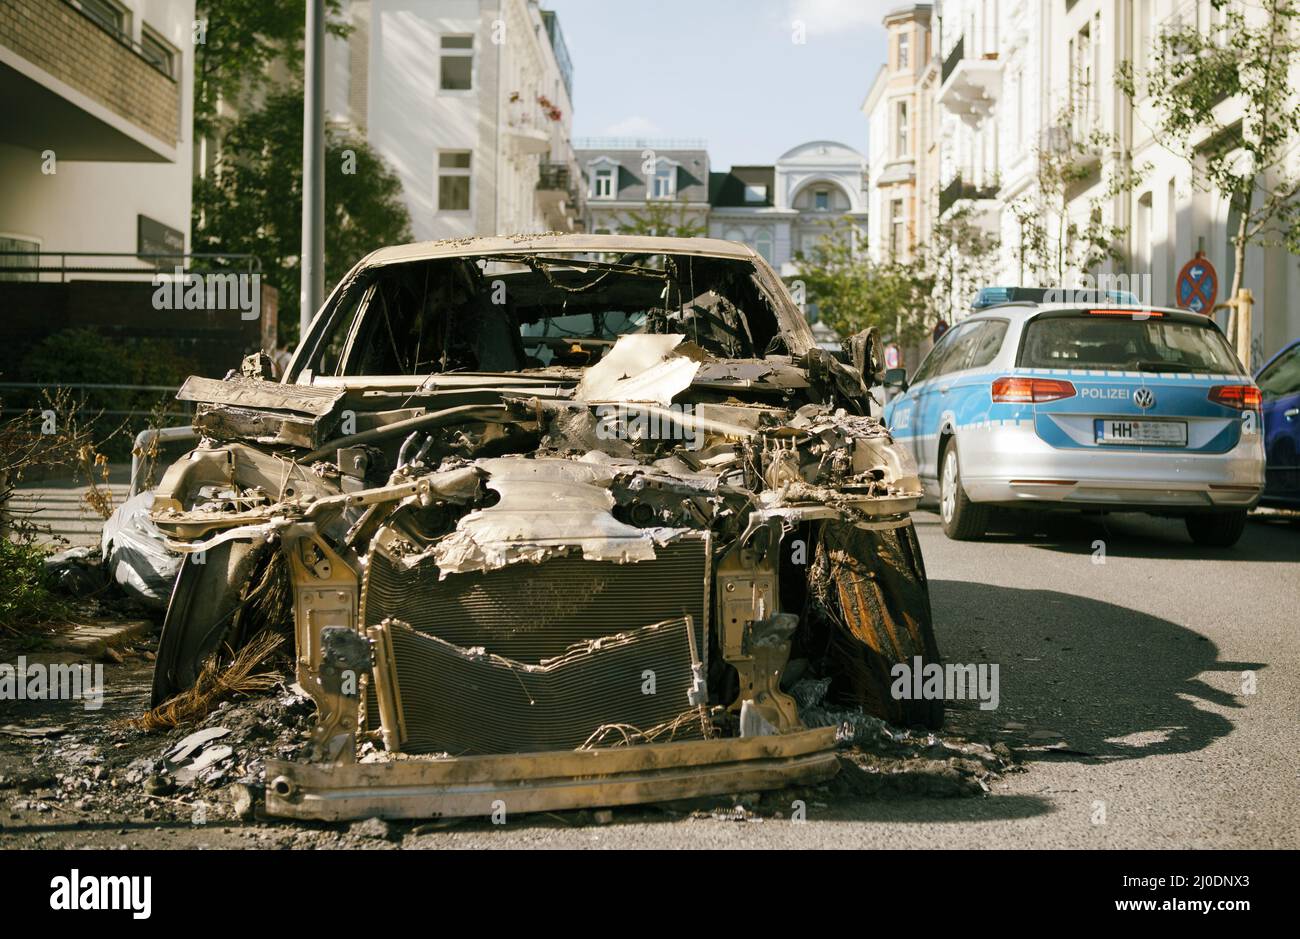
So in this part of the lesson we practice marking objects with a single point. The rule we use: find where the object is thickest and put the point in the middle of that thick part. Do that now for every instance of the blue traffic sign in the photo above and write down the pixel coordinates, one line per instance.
(1197, 286)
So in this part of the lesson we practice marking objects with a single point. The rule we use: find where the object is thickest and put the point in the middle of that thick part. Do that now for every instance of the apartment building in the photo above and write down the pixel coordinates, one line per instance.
(894, 108)
(1018, 78)
(627, 175)
(782, 210)
(95, 145)
(470, 103)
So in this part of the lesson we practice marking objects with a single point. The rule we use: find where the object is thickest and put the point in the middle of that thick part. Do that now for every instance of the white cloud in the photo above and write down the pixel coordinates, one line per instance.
(634, 127)
(830, 17)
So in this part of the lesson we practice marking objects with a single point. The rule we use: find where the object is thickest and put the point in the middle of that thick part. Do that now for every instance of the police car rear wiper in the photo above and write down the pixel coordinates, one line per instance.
(1163, 367)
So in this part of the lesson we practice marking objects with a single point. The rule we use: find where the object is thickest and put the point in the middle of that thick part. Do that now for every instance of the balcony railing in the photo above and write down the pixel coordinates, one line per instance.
(958, 189)
(955, 56)
(554, 176)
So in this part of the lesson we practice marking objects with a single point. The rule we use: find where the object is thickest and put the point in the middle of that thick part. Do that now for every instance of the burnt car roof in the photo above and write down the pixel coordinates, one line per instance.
(515, 244)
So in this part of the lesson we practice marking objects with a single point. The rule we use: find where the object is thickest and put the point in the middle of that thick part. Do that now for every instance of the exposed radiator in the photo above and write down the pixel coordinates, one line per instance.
(437, 697)
(528, 613)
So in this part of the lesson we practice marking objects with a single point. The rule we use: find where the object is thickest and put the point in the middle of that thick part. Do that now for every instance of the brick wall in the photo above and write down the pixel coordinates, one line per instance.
(55, 37)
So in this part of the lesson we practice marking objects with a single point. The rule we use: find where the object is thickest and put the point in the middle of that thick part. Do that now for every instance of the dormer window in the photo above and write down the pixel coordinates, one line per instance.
(603, 184)
(755, 194)
(664, 182)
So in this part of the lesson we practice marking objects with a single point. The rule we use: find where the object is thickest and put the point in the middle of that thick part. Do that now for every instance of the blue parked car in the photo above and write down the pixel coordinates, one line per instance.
(1086, 407)
(1279, 382)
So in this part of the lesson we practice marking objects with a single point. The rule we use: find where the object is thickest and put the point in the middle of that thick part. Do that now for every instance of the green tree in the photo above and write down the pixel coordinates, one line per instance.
(852, 292)
(235, 42)
(961, 257)
(663, 219)
(1053, 242)
(253, 202)
(1249, 58)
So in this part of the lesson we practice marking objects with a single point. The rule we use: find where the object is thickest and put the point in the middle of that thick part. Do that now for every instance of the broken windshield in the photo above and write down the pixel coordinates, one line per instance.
(519, 312)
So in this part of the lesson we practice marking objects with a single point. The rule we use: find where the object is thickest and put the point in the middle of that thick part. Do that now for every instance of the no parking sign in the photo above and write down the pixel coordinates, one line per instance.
(1197, 286)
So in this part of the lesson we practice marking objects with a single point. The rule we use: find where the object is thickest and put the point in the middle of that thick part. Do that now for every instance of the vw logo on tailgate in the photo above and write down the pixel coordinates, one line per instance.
(1144, 398)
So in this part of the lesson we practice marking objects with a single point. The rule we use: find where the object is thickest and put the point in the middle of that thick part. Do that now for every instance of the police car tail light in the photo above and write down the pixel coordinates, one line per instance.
(1241, 397)
(1031, 390)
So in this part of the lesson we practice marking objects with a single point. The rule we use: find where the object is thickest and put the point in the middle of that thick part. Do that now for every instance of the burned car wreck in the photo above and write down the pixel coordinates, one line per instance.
(555, 522)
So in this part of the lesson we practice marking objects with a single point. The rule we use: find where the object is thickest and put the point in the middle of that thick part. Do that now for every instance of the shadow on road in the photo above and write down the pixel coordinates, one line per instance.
(1141, 536)
(1115, 683)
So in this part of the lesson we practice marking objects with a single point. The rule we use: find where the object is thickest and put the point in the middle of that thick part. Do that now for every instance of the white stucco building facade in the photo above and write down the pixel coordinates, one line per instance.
(1017, 75)
(470, 103)
(97, 154)
(783, 209)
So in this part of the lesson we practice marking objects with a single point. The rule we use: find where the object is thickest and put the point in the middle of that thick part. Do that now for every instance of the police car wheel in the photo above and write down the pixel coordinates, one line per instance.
(963, 520)
(1217, 529)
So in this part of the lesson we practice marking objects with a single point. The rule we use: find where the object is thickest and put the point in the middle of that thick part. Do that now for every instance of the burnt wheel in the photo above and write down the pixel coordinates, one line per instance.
(879, 604)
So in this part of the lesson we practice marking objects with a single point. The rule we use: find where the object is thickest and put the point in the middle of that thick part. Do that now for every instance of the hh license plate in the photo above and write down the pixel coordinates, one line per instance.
(1143, 433)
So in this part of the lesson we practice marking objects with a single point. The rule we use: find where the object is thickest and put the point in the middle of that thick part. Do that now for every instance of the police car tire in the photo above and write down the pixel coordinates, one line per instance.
(1217, 529)
(970, 520)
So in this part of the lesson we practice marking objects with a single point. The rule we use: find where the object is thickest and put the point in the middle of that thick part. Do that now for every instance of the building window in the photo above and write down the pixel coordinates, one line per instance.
(159, 54)
(822, 200)
(457, 63)
(665, 182)
(453, 181)
(897, 228)
(108, 15)
(18, 260)
(756, 194)
(902, 129)
(603, 186)
(904, 51)
(763, 244)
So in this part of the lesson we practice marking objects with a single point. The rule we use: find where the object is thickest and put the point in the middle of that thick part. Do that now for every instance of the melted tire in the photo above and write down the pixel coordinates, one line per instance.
(881, 601)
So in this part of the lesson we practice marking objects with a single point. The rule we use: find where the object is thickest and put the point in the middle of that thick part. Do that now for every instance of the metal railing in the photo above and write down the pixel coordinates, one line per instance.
(954, 57)
(248, 263)
(958, 189)
(124, 39)
(640, 143)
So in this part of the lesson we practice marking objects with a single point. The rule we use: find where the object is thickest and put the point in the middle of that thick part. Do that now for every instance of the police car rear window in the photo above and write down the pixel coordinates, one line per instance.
(1125, 343)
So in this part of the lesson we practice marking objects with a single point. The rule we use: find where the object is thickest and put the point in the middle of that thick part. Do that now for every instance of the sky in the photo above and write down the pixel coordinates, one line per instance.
(727, 71)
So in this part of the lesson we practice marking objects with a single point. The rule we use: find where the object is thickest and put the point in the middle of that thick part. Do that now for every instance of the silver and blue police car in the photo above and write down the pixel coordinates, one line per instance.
(1093, 406)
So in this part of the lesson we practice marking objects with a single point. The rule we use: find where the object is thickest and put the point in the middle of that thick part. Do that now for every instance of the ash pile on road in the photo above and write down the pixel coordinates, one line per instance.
(212, 770)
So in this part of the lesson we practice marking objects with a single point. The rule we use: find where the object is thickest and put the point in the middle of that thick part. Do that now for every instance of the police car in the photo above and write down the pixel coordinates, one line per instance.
(1096, 406)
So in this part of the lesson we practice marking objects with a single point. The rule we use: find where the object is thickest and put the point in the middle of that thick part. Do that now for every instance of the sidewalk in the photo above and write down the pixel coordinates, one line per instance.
(59, 505)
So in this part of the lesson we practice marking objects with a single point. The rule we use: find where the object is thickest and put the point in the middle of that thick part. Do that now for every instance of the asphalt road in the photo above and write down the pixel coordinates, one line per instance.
(1122, 684)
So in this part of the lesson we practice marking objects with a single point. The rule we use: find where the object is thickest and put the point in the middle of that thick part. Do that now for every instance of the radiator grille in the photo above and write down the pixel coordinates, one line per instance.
(532, 612)
(453, 700)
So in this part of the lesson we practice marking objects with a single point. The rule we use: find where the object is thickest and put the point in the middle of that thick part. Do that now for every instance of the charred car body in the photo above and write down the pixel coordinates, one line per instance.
(558, 521)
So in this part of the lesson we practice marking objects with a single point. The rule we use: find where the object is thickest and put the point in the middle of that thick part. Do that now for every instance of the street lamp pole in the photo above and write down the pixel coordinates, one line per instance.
(312, 288)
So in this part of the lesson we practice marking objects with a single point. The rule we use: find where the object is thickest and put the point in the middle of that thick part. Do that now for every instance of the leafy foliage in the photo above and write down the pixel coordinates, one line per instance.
(1053, 242)
(662, 219)
(253, 202)
(235, 42)
(961, 257)
(852, 292)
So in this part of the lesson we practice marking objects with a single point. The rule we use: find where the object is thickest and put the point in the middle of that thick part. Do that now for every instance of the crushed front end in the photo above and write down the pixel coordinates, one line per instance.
(669, 573)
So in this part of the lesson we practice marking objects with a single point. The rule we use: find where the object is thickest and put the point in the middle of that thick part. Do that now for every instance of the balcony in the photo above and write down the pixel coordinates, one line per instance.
(560, 196)
(527, 127)
(73, 86)
(961, 190)
(970, 86)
